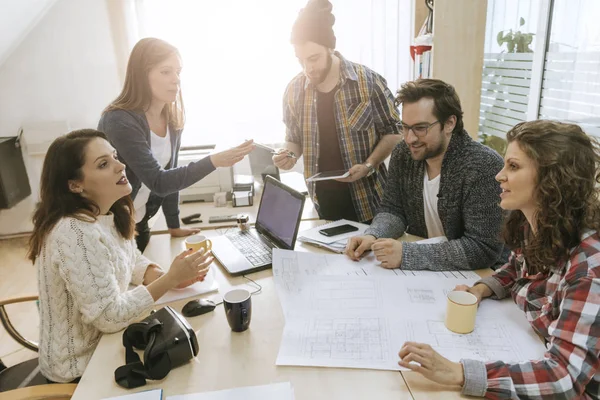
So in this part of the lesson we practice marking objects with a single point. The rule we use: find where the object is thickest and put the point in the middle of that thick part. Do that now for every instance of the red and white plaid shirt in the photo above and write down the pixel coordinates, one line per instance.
(563, 306)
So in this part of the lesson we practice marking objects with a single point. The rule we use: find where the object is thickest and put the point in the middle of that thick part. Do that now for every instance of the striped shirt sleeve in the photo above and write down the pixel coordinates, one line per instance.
(385, 113)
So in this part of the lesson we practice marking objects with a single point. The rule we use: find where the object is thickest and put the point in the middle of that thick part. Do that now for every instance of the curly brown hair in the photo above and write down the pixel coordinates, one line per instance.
(567, 193)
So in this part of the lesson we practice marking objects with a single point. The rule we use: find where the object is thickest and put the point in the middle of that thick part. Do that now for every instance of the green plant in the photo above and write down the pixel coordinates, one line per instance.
(493, 142)
(516, 42)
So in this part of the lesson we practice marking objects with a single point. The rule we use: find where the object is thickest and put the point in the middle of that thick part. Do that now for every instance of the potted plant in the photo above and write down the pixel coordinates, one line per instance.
(516, 42)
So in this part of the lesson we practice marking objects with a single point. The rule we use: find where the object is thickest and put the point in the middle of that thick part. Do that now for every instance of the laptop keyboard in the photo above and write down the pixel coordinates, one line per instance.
(253, 249)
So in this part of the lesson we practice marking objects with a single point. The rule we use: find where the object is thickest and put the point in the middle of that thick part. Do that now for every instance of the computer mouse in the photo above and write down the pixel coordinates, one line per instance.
(198, 307)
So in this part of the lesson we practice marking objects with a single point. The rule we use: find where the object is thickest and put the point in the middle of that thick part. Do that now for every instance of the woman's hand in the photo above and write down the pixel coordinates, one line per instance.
(153, 272)
(189, 267)
(431, 364)
(232, 156)
(182, 232)
(480, 290)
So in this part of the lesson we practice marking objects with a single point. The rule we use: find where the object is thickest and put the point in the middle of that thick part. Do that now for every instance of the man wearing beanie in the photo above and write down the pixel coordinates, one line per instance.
(341, 116)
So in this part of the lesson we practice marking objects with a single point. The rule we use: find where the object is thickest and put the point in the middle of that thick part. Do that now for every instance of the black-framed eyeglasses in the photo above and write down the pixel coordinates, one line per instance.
(419, 130)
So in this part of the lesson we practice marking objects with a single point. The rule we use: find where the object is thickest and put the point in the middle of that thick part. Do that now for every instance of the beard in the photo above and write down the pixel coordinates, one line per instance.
(431, 152)
(322, 74)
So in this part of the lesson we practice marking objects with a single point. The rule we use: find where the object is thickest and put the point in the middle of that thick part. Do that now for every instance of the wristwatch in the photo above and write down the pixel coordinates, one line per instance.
(370, 167)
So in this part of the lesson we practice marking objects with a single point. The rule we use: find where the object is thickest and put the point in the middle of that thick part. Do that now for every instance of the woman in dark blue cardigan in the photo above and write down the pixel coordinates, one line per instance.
(144, 124)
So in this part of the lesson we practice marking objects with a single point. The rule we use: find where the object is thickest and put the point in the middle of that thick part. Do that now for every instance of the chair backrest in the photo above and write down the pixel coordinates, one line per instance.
(55, 391)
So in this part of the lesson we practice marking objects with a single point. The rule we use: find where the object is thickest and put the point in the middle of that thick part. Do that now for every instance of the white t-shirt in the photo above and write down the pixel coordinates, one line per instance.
(431, 189)
(161, 150)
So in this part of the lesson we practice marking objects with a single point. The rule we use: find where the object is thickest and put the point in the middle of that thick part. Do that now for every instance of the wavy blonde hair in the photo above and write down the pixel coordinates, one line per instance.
(566, 193)
(136, 94)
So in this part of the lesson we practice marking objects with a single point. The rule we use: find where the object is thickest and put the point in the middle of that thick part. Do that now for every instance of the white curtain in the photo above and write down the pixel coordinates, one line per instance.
(237, 58)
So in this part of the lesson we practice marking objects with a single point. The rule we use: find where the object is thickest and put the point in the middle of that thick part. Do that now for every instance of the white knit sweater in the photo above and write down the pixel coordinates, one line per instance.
(84, 270)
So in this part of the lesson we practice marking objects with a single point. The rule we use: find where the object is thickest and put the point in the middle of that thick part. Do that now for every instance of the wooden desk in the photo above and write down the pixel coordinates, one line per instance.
(227, 360)
(208, 209)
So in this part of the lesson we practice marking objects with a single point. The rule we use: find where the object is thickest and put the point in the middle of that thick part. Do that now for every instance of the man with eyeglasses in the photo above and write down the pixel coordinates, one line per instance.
(341, 117)
(441, 185)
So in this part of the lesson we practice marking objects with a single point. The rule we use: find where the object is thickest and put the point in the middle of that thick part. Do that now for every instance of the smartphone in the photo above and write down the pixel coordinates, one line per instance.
(338, 230)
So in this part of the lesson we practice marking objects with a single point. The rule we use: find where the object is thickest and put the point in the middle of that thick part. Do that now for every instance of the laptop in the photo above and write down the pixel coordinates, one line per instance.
(279, 213)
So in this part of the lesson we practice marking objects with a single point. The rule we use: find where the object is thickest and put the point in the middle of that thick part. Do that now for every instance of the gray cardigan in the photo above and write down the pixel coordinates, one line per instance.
(129, 133)
(468, 205)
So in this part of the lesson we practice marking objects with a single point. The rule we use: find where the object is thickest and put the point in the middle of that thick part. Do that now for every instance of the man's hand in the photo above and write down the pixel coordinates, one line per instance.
(357, 172)
(388, 252)
(358, 245)
(182, 232)
(284, 160)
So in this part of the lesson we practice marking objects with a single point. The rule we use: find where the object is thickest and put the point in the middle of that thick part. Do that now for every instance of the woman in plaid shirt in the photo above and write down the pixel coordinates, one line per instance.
(550, 182)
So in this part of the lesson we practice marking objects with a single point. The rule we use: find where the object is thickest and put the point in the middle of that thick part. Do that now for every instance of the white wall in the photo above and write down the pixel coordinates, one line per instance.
(65, 69)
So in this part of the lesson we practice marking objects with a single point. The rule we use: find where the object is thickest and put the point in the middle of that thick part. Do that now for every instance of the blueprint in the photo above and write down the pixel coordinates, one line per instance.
(290, 265)
(337, 319)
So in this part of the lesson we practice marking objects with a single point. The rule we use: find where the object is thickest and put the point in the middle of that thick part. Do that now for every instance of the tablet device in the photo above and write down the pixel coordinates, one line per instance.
(323, 176)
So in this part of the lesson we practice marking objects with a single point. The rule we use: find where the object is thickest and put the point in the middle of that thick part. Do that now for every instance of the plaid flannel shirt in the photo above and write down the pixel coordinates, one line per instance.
(562, 306)
(364, 112)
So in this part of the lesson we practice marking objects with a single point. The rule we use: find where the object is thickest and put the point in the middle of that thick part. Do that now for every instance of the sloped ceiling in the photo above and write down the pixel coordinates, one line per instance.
(17, 19)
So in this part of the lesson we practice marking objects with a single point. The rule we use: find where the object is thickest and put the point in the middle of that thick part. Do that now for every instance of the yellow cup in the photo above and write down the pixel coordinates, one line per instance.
(197, 242)
(461, 311)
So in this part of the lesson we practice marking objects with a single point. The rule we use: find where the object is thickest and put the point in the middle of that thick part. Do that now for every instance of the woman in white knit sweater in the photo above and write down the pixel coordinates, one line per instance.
(86, 256)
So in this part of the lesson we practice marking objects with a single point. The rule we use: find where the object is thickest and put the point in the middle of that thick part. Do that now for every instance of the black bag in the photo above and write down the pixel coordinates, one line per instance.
(168, 341)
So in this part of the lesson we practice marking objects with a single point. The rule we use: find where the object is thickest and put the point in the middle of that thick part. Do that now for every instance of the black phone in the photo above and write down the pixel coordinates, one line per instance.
(338, 230)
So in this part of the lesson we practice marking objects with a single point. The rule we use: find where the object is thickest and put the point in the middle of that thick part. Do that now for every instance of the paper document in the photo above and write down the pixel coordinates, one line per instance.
(341, 313)
(324, 176)
(209, 284)
(292, 264)
(358, 342)
(373, 342)
(265, 147)
(274, 391)
(155, 394)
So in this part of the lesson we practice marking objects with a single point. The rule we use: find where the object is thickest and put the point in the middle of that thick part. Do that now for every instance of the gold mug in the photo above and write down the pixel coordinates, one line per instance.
(461, 311)
(197, 242)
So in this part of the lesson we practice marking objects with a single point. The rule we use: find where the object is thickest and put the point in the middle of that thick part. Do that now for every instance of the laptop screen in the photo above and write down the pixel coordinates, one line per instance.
(279, 212)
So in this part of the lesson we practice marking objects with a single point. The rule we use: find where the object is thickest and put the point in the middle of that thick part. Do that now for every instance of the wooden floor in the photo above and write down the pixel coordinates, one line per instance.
(18, 277)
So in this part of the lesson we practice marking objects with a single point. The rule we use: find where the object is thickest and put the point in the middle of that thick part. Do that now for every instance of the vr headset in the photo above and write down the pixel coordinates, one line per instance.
(168, 341)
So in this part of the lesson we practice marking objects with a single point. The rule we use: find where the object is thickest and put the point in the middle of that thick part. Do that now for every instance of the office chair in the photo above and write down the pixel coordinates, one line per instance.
(24, 380)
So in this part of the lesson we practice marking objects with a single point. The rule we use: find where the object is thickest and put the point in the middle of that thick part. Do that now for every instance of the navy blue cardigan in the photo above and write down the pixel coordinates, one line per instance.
(129, 133)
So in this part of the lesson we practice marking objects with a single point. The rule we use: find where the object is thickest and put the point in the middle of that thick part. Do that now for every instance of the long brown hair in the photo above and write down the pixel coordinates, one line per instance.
(63, 162)
(566, 192)
(136, 94)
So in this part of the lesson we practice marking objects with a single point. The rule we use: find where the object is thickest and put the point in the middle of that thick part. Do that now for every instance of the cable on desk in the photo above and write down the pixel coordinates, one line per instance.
(257, 287)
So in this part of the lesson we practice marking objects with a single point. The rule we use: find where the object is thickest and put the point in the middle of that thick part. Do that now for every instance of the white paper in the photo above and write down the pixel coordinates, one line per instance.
(337, 316)
(275, 391)
(356, 342)
(155, 394)
(314, 235)
(374, 342)
(289, 264)
(265, 147)
(209, 284)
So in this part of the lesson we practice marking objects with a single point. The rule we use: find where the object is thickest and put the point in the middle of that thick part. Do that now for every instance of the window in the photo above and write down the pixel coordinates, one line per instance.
(237, 58)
